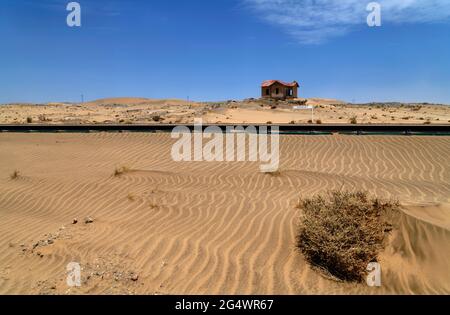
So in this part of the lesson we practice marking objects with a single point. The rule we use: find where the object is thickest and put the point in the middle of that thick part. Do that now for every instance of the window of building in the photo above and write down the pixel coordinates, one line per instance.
(277, 91)
(267, 91)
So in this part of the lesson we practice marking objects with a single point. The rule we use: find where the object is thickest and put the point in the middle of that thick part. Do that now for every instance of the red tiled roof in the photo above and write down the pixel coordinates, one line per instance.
(272, 82)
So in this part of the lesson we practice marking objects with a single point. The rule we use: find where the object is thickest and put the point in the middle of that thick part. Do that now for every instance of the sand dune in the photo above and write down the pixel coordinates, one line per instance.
(137, 101)
(208, 228)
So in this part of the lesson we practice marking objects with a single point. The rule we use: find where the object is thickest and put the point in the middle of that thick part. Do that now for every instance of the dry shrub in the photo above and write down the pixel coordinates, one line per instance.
(342, 232)
(15, 175)
(119, 171)
(131, 197)
(354, 120)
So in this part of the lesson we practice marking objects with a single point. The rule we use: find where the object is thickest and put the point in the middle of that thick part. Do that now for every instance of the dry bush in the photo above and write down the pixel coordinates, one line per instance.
(15, 175)
(318, 121)
(342, 232)
(119, 171)
(43, 118)
(131, 197)
(354, 120)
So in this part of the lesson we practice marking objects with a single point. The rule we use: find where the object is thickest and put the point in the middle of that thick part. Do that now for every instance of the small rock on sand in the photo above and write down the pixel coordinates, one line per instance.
(134, 277)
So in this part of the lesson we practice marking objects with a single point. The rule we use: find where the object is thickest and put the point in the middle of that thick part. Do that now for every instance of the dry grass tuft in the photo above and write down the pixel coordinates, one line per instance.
(15, 175)
(119, 171)
(342, 232)
(131, 197)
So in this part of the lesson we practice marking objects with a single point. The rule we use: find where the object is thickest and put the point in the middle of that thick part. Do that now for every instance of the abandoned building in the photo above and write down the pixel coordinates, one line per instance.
(279, 90)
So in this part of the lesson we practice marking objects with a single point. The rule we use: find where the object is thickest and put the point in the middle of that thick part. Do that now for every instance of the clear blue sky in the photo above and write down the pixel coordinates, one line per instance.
(222, 49)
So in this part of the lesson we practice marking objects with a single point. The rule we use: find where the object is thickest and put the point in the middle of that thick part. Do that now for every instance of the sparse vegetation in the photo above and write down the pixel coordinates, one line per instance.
(43, 118)
(342, 232)
(318, 121)
(354, 120)
(153, 205)
(119, 171)
(15, 175)
(29, 120)
(156, 118)
(131, 197)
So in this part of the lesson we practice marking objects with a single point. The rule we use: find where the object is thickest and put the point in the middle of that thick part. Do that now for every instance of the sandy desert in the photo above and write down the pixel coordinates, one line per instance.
(172, 111)
(165, 227)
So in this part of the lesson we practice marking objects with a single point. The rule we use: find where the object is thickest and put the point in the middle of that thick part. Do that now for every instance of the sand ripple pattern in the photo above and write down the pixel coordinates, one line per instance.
(209, 227)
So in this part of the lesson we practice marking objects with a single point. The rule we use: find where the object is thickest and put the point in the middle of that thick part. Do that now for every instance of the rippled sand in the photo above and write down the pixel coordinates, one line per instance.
(208, 228)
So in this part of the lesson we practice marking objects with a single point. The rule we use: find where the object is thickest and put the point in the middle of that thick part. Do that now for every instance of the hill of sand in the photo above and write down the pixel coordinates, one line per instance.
(173, 111)
(165, 227)
(137, 101)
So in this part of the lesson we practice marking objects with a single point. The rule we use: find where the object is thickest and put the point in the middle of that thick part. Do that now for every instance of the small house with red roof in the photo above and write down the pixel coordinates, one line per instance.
(277, 89)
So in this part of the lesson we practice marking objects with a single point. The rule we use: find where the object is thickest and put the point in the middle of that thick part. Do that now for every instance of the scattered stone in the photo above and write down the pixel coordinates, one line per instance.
(50, 241)
(75, 221)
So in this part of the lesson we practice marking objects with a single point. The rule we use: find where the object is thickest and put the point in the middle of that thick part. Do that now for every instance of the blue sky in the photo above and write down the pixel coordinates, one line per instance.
(223, 49)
